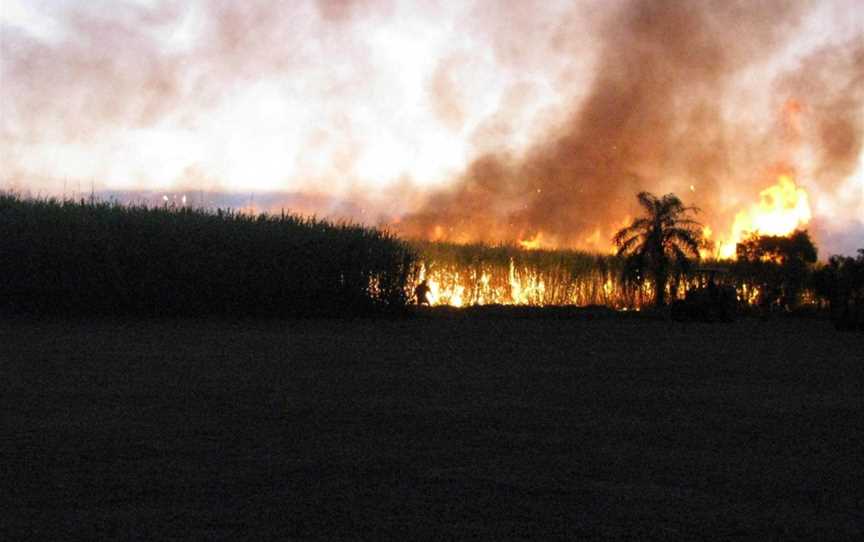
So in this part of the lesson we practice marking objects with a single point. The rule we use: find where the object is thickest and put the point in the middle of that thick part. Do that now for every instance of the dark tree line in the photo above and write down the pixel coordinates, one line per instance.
(786, 272)
(779, 265)
(661, 246)
(841, 284)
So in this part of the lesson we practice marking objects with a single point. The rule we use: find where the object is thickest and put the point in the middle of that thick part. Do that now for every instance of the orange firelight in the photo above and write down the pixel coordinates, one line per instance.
(782, 208)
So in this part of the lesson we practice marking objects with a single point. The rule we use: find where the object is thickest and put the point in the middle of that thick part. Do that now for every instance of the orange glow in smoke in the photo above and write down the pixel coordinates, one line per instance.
(782, 208)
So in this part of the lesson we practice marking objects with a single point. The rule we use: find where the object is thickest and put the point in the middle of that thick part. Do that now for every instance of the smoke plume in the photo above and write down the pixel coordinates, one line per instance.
(661, 116)
(481, 120)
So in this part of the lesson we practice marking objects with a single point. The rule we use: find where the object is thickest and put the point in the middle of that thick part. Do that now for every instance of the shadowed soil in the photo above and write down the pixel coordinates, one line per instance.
(437, 427)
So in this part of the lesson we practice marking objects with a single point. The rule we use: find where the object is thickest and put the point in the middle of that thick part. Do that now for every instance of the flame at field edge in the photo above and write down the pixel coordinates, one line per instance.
(782, 208)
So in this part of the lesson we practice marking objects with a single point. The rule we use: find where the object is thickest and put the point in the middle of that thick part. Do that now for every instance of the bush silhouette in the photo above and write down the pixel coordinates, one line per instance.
(779, 265)
(841, 284)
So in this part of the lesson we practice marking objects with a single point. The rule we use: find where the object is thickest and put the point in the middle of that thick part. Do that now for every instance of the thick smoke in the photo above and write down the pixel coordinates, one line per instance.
(660, 116)
(107, 84)
(832, 79)
(53, 88)
(486, 120)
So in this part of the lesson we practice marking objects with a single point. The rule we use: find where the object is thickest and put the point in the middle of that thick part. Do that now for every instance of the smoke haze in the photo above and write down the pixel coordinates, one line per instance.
(658, 117)
(465, 121)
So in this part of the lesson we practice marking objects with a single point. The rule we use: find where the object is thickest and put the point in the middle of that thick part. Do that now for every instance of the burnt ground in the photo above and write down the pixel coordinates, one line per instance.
(445, 426)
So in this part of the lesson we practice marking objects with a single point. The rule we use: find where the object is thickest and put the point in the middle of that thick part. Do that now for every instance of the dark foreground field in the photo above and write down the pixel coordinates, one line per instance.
(434, 427)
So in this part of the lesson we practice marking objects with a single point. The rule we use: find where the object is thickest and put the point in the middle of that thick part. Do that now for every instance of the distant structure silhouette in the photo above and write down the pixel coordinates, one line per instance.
(421, 292)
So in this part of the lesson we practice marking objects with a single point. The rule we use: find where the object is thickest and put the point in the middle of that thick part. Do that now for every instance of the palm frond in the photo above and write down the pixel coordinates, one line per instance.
(638, 227)
(684, 237)
(664, 235)
(688, 222)
(626, 246)
(648, 201)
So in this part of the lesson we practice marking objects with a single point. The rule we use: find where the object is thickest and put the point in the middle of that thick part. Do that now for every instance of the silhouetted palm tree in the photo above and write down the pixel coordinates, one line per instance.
(660, 243)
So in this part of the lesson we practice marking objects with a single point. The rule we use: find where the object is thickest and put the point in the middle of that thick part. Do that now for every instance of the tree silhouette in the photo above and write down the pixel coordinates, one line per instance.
(779, 264)
(841, 283)
(660, 243)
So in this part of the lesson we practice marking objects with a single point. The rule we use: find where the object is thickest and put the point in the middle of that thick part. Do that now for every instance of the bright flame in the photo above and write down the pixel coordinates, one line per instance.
(521, 283)
(782, 209)
(438, 233)
(707, 232)
(526, 288)
(443, 289)
(533, 243)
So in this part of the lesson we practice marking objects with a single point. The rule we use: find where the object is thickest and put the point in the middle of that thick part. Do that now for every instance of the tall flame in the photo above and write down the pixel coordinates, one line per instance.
(782, 208)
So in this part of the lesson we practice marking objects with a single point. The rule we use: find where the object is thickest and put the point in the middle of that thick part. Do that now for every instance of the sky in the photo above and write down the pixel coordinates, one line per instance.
(484, 120)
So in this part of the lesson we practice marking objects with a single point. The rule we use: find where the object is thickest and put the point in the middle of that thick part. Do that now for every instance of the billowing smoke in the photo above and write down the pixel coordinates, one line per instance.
(480, 120)
(249, 96)
(663, 115)
(832, 80)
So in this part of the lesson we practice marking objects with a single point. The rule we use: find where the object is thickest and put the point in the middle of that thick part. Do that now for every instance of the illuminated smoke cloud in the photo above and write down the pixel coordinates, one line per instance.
(665, 113)
(653, 120)
(832, 79)
(487, 121)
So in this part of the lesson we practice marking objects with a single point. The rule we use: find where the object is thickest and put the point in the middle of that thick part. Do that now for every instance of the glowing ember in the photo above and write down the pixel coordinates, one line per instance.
(781, 209)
